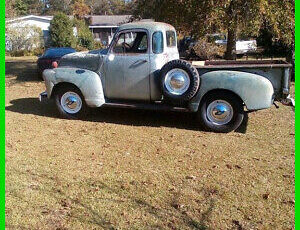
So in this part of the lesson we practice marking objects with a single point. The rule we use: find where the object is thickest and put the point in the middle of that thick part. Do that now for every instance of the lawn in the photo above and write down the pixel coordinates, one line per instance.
(126, 169)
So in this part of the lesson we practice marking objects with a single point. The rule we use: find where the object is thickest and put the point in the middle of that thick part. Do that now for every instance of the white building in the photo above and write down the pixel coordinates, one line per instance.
(42, 22)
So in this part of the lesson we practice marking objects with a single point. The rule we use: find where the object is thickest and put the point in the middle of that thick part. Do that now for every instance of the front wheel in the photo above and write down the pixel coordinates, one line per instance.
(70, 103)
(221, 112)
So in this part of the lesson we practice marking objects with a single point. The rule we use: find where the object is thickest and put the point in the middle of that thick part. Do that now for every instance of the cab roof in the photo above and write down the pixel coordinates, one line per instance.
(150, 26)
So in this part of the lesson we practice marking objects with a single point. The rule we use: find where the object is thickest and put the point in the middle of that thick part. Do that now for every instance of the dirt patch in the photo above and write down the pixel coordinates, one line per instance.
(125, 169)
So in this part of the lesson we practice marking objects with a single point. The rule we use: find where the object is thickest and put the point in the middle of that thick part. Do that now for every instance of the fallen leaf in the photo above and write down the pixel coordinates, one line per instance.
(237, 223)
(177, 206)
(266, 196)
(228, 166)
(190, 177)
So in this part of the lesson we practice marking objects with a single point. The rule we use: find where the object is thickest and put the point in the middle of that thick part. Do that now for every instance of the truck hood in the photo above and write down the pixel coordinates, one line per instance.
(83, 60)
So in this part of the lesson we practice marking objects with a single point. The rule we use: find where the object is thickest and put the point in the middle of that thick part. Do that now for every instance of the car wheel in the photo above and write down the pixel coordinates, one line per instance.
(179, 81)
(70, 103)
(40, 75)
(221, 112)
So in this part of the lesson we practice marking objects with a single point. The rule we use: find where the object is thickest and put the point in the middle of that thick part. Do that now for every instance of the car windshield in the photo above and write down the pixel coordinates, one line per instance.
(58, 52)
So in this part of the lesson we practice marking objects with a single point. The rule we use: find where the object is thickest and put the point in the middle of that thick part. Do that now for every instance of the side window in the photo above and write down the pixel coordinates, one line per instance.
(171, 38)
(131, 43)
(143, 46)
(118, 47)
(157, 43)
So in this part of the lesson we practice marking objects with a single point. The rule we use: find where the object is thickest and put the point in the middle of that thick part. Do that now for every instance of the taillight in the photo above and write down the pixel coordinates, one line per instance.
(54, 64)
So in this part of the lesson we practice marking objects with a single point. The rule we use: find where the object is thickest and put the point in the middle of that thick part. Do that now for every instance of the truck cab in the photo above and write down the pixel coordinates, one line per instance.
(135, 56)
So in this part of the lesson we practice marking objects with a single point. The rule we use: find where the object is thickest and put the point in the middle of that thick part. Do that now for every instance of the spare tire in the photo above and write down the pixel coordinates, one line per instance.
(179, 81)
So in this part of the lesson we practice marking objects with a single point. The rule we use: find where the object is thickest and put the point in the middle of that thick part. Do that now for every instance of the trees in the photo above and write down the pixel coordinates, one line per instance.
(248, 17)
(100, 7)
(9, 9)
(109, 7)
(191, 17)
(85, 37)
(61, 31)
(21, 7)
(236, 17)
(25, 7)
(80, 9)
(54, 6)
(62, 35)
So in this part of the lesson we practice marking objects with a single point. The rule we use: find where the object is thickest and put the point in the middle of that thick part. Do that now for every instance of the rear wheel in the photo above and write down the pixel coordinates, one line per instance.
(70, 102)
(221, 112)
(40, 74)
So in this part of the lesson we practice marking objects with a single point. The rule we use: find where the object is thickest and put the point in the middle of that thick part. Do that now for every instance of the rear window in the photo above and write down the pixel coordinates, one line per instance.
(158, 43)
(171, 38)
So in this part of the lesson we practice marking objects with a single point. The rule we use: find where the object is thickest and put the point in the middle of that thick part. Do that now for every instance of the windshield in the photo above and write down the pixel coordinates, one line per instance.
(58, 52)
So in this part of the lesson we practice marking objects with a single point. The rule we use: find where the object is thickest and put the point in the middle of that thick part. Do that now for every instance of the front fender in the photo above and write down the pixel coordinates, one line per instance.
(87, 81)
(255, 90)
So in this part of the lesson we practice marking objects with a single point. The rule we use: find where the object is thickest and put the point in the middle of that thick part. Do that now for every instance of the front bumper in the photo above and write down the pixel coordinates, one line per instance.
(43, 97)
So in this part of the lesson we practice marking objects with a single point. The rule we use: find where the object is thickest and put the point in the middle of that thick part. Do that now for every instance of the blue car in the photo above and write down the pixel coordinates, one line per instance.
(51, 55)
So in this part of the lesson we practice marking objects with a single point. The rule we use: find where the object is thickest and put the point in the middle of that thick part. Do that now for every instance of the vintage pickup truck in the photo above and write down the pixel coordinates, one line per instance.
(141, 69)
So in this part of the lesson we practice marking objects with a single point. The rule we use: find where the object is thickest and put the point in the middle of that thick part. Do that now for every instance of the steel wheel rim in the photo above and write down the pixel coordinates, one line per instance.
(219, 112)
(177, 81)
(71, 102)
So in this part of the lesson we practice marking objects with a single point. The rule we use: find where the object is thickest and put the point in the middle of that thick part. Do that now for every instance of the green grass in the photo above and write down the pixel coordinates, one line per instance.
(123, 169)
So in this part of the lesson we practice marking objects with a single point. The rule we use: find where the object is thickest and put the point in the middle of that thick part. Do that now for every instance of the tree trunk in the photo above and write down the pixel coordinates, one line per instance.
(230, 53)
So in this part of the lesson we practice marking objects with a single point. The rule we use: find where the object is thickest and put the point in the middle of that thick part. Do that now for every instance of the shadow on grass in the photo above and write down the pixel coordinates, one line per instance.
(24, 70)
(32, 106)
(117, 116)
(111, 115)
(91, 209)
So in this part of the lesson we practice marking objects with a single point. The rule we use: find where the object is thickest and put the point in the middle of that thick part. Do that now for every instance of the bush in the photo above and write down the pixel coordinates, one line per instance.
(85, 37)
(61, 31)
(204, 50)
(98, 45)
(23, 38)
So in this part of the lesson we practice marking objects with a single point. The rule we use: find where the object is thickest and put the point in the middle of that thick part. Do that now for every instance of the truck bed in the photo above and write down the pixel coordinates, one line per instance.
(276, 71)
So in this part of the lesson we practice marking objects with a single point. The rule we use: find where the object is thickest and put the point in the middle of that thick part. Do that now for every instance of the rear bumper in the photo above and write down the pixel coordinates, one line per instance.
(43, 97)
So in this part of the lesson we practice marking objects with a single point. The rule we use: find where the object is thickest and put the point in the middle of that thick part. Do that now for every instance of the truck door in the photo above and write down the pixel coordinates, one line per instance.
(128, 67)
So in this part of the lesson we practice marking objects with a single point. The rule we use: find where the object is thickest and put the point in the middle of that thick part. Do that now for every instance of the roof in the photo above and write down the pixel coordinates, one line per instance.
(30, 17)
(149, 25)
(107, 20)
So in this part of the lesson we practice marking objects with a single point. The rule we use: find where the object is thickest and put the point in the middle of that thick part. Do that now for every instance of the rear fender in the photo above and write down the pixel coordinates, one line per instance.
(254, 90)
(87, 81)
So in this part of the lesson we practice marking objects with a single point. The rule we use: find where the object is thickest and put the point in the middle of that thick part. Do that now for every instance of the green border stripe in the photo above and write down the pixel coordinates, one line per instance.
(297, 69)
(2, 113)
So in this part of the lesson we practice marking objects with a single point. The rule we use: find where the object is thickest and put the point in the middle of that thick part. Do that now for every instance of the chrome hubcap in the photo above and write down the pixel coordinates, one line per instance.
(219, 112)
(177, 81)
(71, 102)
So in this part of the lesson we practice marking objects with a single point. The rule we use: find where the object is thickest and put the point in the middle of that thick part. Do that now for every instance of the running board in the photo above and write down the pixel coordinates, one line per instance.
(156, 106)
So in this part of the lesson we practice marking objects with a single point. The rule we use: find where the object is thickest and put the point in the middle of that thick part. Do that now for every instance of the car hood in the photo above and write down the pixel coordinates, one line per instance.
(82, 60)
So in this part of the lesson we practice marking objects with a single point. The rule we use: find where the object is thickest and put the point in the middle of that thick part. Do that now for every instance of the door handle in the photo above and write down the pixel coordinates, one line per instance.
(141, 61)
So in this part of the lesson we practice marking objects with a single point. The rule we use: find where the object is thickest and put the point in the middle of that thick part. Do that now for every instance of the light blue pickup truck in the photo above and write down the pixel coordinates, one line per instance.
(141, 69)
